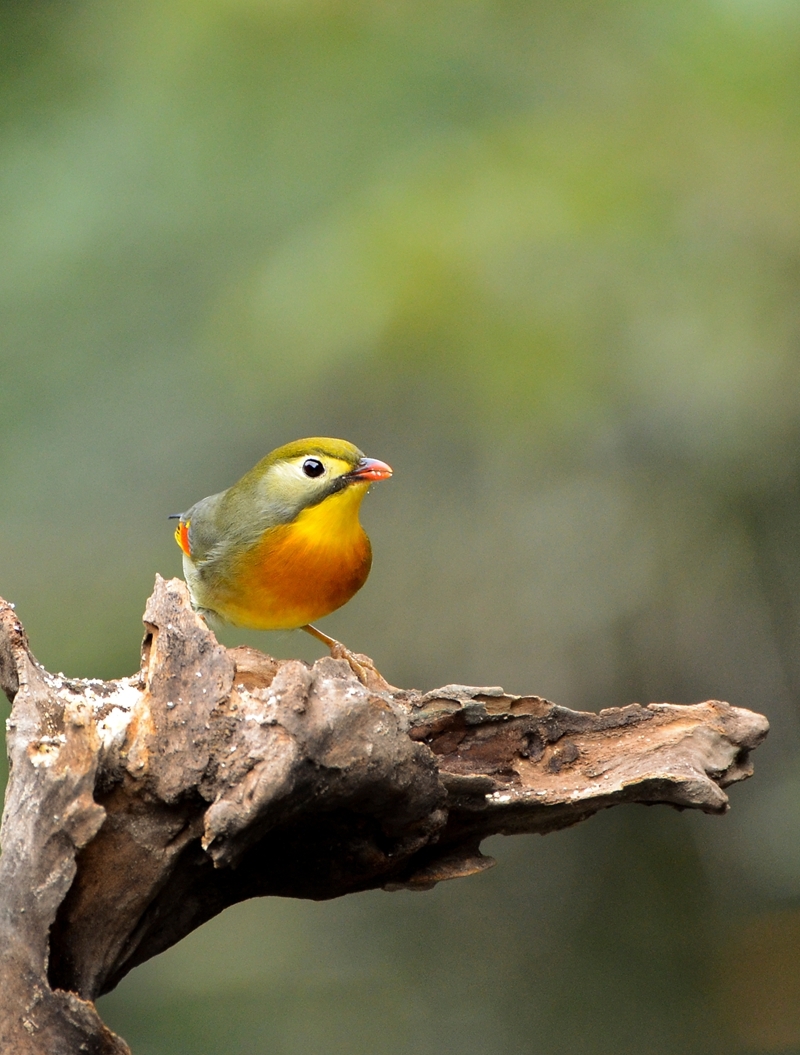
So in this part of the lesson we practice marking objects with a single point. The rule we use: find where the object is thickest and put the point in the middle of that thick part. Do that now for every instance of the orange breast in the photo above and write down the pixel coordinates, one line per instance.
(299, 572)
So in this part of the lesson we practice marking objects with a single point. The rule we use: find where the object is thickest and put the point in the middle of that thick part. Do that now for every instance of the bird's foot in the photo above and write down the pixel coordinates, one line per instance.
(363, 668)
(361, 665)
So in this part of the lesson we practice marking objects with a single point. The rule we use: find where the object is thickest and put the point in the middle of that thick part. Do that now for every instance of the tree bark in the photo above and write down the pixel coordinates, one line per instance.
(138, 809)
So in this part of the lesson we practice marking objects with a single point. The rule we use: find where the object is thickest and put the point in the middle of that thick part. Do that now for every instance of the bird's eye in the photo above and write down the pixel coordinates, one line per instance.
(313, 467)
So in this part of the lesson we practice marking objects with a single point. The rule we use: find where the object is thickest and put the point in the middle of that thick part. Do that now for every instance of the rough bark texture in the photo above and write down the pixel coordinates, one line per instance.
(137, 809)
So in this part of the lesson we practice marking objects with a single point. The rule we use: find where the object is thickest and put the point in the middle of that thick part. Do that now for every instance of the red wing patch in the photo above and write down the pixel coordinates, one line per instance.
(182, 537)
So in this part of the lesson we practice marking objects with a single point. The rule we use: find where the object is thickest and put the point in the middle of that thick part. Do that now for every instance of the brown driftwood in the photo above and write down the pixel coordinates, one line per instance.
(137, 809)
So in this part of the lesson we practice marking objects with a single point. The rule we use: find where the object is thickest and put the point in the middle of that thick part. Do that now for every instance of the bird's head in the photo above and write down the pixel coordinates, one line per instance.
(306, 472)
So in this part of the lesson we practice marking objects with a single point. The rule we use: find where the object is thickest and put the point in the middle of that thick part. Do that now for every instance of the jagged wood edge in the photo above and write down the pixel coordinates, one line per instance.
(139, 808)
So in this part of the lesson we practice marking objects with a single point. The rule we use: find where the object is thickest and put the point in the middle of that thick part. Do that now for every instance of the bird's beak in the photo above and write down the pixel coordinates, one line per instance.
(370, 469)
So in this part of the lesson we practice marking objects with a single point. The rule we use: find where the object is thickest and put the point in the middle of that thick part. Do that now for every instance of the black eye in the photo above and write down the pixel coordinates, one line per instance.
(313, 467)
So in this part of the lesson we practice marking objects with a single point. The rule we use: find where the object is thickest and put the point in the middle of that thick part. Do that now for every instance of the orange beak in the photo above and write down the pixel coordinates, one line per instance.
(370, 469)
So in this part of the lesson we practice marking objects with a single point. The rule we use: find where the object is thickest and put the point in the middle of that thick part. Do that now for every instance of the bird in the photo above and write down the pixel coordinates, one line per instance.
(283, 546)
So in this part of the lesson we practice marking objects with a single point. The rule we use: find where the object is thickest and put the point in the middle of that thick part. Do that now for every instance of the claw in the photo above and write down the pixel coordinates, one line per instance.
(361, 665)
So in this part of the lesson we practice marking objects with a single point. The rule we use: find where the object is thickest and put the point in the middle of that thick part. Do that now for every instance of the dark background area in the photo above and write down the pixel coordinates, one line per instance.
(544, 259)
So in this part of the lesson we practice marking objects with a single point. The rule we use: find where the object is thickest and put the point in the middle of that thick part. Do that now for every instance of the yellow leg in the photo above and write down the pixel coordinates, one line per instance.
(329, 641)
(362, 666)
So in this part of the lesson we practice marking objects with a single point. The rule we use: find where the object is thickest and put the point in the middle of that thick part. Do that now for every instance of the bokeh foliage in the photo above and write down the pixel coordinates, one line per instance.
(541, 257)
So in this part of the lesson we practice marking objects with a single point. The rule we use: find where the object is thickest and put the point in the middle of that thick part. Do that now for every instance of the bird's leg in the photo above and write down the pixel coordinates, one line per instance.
(338, 651)
(331, 642)
(362, 666)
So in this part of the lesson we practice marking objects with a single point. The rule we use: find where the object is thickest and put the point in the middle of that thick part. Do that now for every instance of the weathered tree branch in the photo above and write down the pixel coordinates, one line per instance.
(137, 809)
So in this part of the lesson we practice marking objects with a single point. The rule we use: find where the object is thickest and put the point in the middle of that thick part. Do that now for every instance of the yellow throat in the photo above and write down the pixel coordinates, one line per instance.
(301, 571)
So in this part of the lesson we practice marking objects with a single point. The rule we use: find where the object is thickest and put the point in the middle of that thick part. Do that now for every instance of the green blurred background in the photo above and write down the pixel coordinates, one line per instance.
(544, 259)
